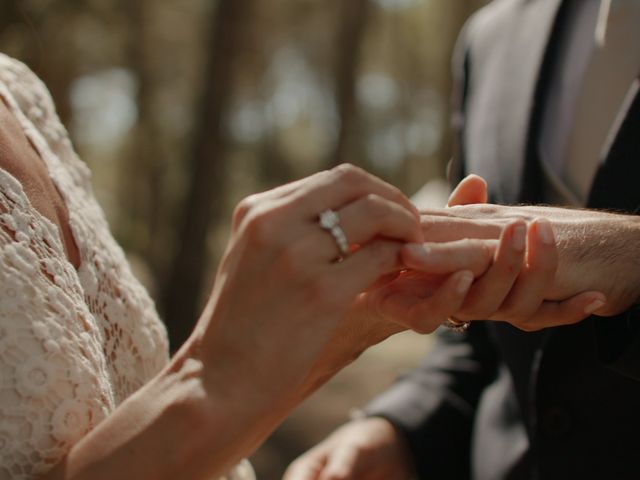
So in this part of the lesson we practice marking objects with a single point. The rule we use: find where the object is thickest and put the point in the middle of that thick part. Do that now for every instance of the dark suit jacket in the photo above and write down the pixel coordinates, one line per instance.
(495, 402)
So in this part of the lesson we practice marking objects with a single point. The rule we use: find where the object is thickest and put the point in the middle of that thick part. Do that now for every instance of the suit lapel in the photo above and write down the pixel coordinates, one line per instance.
(616, 182)
(614, 186)
(524, 97)
(507, 76)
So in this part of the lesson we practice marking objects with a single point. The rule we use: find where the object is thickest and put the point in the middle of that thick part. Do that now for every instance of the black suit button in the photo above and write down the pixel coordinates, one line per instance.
(555, 421)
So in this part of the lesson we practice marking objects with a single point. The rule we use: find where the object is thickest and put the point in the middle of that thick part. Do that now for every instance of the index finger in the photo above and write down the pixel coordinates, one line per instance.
(437, 228)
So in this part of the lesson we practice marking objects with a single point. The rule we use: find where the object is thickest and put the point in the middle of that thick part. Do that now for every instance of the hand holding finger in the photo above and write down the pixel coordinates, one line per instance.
(536, 279)
(488, 292)
(567, 312)
(421, 303)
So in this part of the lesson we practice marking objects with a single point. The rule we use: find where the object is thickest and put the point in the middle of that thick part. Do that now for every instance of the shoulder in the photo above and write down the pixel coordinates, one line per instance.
(23, 84)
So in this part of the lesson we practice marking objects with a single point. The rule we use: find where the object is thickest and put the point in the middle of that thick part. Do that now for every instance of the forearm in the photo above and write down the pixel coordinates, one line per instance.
(176, 426)
(600, 252)
(597, 250)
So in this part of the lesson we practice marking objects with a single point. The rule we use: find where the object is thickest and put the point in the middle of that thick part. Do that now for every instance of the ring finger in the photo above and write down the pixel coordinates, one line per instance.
(365, 219)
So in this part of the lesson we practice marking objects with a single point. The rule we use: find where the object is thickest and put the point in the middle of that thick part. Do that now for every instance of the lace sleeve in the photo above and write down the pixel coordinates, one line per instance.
(53, 382)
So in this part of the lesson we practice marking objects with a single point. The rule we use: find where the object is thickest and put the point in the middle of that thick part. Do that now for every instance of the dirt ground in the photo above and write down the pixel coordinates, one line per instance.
(330, 406)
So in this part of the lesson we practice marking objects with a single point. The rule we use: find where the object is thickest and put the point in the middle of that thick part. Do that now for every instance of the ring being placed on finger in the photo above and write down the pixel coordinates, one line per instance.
(330, 221)
(456, 325)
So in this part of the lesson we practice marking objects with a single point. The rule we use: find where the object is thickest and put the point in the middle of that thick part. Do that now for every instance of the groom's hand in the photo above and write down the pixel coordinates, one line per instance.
(367, 449)
(522, 286)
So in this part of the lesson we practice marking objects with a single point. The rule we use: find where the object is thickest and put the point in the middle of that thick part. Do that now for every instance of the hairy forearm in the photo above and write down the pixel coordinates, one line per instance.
(598, 250)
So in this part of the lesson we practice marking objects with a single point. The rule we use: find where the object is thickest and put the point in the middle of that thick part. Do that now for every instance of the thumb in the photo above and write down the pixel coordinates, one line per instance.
(341, 465)
(473, 189)
(307, 467)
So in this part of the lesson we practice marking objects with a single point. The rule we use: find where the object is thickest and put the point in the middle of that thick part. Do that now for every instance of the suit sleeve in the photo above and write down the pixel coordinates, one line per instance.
(618, 342)
(434, 405)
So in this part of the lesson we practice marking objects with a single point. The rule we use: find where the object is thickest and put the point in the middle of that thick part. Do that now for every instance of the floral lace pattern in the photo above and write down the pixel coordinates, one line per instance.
(73, 344)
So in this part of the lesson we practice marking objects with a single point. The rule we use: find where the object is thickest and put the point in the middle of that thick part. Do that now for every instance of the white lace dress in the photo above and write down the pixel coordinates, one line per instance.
(73, 344)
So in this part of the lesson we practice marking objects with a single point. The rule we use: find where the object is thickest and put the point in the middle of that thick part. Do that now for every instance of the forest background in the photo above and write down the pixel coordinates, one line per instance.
(183, 107)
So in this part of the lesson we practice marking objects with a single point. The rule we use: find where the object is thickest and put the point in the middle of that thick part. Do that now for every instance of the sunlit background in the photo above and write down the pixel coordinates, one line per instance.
(183, 107)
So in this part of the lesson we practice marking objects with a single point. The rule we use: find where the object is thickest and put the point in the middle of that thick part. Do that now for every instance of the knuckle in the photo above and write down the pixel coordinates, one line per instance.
(348, 170)
(243, 208)
(377, 207)
(349, 174)
(483, 209)
(487, 250)
(260, 229)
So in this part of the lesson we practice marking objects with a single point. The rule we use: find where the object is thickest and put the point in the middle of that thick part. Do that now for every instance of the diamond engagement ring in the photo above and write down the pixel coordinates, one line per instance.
(330, 221)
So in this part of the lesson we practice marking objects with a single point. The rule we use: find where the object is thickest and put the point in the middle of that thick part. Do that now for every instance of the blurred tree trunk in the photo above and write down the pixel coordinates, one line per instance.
(146, 201)
(10, 14)
(355, 15)
(206, 188)
(44, 53)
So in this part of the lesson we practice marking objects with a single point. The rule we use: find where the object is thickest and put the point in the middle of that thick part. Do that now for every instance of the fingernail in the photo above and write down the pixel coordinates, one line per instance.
(594, 306)
(421, 252)
(464, 282)
(519, 237)
(545, 232)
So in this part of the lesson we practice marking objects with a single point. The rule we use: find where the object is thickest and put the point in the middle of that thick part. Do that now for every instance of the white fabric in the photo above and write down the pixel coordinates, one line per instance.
(73, 344)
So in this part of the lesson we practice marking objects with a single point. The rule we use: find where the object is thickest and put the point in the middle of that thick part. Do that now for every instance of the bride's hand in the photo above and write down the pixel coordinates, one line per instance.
(280, 295)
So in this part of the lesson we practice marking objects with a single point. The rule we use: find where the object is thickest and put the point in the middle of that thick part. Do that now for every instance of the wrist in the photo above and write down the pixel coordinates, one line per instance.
(231, 401)
(213, 427)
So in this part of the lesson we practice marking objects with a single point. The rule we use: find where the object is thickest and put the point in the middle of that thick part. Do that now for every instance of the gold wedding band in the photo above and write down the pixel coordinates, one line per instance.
(456, 325)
